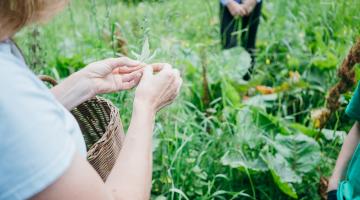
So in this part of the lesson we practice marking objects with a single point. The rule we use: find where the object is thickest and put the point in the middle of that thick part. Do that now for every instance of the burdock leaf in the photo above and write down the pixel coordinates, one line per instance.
(238, 160)
(282, 174)
(302, 152)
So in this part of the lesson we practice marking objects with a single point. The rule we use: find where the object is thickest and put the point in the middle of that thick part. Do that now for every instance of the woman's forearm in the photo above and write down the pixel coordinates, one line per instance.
(346, 153)
(73, 91)
(132, 173)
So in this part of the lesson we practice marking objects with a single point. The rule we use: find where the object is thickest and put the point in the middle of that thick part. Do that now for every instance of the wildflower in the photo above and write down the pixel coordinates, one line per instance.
(294, 76)
(265, 90)
(319, 117)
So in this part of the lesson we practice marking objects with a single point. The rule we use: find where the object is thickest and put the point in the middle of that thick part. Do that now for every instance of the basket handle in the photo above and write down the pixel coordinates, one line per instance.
(48, 79)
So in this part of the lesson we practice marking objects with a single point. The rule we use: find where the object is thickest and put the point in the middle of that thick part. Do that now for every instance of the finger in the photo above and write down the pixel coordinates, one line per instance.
(125, 83)
(164, 105)
(246, 12)
(148, 72)
(131, 76)
(174, 88)
(126, 69)
(122, 62)
(157, 67)
(129, 85)
(177, 73)
(179, 86)
(167, 71)
(167, 67)
(173, 93)
(242, 11)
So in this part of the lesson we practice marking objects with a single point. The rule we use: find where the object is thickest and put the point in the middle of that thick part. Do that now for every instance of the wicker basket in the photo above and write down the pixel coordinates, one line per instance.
(101, 126)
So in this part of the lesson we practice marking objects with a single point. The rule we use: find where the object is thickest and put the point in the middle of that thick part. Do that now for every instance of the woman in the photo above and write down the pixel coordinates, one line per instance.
(250, 12)
(42, 152)
(345, 180)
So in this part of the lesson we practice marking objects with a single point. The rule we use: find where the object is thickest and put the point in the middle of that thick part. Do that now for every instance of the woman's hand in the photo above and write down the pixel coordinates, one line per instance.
(249, 6)
(159, 90)
(333, 183)
(243, 9)
(237, 9)
(112, 75)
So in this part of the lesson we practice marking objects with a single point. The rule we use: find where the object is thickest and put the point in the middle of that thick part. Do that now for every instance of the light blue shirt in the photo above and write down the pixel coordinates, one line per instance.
(38, 136)
(225, 2)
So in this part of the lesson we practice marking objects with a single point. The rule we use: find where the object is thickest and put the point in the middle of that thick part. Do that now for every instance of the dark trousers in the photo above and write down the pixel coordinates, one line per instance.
(332, 195)
(230, 32)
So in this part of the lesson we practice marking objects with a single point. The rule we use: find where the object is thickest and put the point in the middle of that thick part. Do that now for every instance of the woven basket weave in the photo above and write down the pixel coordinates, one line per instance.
(101, 126)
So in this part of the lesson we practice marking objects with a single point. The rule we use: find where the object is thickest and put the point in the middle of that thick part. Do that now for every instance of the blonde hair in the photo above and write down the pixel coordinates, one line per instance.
(15, 14)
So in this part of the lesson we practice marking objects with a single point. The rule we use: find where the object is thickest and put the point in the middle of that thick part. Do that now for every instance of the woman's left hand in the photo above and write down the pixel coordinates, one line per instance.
(112, 75)
(106, 76)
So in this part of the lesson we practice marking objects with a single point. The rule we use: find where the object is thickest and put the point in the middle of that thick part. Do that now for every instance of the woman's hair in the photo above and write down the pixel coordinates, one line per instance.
(346, 74)
(15, 14)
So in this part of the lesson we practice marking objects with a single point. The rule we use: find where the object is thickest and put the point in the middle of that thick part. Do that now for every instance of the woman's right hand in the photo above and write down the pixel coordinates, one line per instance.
(155, 91)
(333, 183)
(237, 9)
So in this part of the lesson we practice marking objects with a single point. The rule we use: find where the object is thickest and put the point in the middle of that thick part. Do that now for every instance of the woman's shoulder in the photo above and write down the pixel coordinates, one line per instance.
(32, 123)
(20, 87)
(10, 55)
(14, 73)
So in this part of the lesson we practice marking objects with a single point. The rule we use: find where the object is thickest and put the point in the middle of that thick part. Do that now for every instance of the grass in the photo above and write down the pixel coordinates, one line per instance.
(193, 137)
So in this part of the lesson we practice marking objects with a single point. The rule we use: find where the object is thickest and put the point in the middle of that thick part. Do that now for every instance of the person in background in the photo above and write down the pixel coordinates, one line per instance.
(250, 12)
(345, 180)
(42, 151)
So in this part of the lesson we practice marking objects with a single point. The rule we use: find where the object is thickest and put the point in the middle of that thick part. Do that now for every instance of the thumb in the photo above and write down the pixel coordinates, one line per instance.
(148, 72)
(114, 63)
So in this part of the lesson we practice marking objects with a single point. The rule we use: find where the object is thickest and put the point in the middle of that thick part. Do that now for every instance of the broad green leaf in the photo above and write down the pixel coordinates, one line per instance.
(238, 160)
(301, 151)
(236, 63)
(287, 188)
(268, 122)
(230, 93)
(327, 61)
(262, 101)
(303, 129)
(332, 135)
(247, 131)
(282, 173)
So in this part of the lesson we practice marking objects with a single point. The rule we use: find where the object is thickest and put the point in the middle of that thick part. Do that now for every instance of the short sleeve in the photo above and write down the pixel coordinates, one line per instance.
(225, 2)
(36, 146)
(353, 109)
